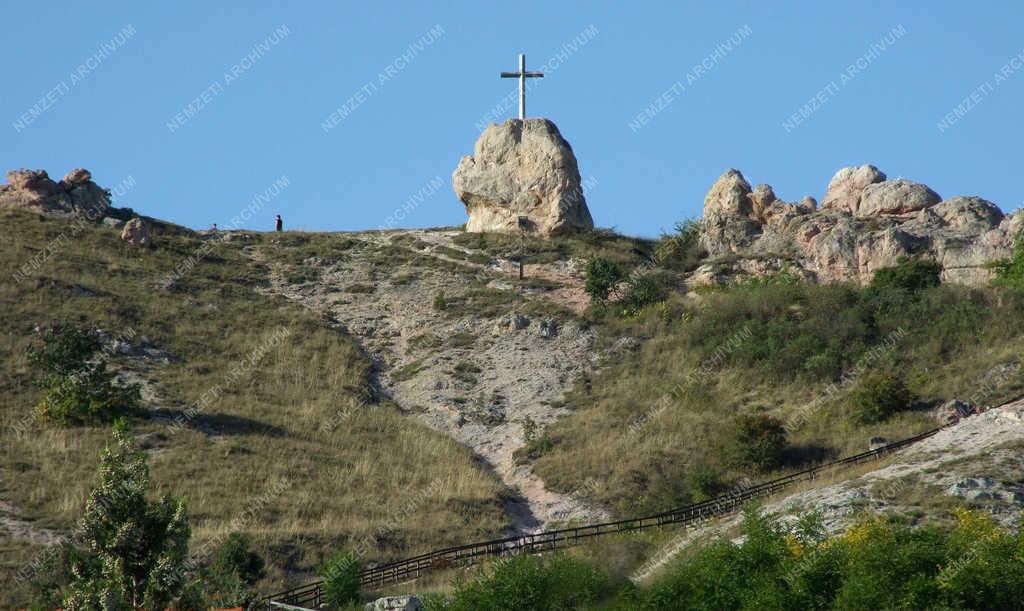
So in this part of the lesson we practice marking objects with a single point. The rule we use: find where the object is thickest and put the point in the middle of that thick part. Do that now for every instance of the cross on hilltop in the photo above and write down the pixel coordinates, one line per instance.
(522, 75)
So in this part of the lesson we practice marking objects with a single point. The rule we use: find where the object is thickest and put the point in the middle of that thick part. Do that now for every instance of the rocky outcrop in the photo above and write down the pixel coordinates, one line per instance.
(76, 193)
(865, 223)
(136, 233)
(522, 168)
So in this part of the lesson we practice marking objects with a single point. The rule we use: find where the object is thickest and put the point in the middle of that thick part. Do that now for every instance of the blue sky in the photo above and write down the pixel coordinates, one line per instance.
(103, 86)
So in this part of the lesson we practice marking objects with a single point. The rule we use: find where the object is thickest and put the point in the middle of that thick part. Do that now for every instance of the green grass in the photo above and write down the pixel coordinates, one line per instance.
(648, 423)
(302, 456)
(597, 243)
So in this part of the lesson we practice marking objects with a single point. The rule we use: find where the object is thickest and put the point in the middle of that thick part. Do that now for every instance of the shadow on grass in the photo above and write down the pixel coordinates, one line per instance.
(218, 424)
(801, 456)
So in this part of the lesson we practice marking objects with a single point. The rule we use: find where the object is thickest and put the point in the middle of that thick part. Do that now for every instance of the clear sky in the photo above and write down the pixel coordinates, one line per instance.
(319, 94)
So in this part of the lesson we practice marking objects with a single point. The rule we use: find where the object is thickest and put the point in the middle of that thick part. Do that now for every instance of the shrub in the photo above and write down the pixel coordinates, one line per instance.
(758, 440)
(643, 290)
(77, 388)
(440, 303)
(911, 275)
(137, 548)
(877, 396)
(602, 277)
(1009, 273)
(680, 250)
(527, 582)
(341, 579)
(233, 573)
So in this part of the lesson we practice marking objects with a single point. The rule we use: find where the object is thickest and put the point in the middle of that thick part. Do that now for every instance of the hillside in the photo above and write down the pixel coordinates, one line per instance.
(393, 392)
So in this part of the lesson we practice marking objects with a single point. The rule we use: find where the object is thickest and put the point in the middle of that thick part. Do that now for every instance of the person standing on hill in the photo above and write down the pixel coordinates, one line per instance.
(278, 223)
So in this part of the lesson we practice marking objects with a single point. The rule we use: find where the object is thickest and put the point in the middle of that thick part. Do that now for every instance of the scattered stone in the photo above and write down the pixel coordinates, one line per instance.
(112, 222)
(395, 603)
(876, 443)
(522, 168)
(981, 489)
(952, 411)
(136, 233)
(548, 328)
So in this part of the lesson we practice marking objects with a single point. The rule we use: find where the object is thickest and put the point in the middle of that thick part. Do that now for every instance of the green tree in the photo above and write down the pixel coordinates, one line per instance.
(758, 440)
(341, 579)
(234, 571)
(879, 395)
(78, 387)
(1010, 272)
(138, 547)
(602, 277)
(910, 275)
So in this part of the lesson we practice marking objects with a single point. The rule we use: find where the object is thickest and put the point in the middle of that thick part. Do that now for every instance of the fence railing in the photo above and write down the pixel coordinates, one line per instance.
(465, 555)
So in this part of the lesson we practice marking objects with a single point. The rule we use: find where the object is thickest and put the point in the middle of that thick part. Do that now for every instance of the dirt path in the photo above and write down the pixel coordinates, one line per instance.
(482, 378)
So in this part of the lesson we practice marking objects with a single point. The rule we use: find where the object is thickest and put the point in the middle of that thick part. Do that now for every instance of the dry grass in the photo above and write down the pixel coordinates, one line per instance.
(293, 449)
(648, 422)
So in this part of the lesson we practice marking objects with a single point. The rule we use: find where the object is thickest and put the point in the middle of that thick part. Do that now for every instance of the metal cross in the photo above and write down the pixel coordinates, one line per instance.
(522, 75)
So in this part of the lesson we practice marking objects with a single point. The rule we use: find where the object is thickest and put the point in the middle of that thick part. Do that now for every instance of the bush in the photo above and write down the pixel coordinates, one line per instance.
(877, 396)
(680, 250)
(912, 276)
(78, 389)
(528, 582)
(644, 290)
(602, 277)
(1009, 273)
(341, 579)
(758, 440)
(233, 573)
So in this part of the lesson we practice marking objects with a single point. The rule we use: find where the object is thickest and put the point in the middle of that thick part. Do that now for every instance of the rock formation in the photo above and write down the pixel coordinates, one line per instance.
(865, 222)
(75, 193)
(136, 233)
(522, 168)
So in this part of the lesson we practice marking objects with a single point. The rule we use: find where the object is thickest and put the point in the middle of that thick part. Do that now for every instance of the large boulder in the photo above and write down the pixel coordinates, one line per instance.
(136, 233)
(76, 193)
(522, 168)
(846, 186)
(898, 196)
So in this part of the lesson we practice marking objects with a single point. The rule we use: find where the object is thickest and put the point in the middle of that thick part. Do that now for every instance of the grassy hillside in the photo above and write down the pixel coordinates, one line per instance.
(287, 443)
(657, 427)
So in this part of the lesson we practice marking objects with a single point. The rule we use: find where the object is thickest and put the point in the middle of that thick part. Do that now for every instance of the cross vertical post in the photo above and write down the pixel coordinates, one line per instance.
(522, 75)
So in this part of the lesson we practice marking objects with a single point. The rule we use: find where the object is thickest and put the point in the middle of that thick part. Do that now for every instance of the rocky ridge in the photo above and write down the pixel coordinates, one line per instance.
(865, 222)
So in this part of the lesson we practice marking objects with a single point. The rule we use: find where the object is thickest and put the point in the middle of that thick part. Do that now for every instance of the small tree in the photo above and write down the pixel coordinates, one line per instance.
(233, 573)
(138, 547)
(602, 277)
(878, 396)
(910, 275)
(341, 579)
(681, 250)
(78, 388)
(1010, 272)
(644, 290)
(759, 440)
